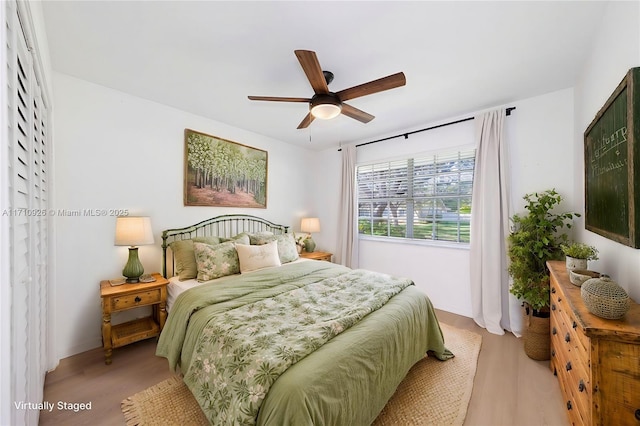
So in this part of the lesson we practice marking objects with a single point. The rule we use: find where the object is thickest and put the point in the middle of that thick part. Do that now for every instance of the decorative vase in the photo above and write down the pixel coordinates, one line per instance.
(575, 263)
(309, 245)
(604, 298)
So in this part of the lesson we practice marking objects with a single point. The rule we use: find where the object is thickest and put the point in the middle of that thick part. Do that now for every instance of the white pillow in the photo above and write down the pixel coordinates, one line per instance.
(253, 258)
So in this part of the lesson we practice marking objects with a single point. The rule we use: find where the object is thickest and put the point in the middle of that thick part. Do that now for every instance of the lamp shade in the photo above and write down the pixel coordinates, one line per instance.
(133, 231)
(310, 225)
(326, 111)
(325, 106)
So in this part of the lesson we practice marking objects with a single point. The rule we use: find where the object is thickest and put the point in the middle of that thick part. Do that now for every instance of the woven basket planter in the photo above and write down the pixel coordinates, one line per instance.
(537, 341)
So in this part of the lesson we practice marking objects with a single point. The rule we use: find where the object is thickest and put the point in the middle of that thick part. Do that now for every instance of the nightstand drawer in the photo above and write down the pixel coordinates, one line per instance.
(142, 298)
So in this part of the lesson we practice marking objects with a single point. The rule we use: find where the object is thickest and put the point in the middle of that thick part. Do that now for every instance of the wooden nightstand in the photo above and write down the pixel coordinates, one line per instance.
(317, 255)
(129, 296)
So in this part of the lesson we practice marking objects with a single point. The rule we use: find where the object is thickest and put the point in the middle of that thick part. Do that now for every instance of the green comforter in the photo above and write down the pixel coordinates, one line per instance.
(356, 333)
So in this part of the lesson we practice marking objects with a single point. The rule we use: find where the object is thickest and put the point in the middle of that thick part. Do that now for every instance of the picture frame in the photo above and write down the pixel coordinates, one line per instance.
(612, 165)
(222, 173)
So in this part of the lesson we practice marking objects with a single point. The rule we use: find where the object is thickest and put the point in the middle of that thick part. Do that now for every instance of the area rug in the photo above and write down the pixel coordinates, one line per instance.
(433, 393)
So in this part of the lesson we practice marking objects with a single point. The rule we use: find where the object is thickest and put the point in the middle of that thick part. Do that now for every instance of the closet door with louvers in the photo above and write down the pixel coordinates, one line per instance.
(27, 194)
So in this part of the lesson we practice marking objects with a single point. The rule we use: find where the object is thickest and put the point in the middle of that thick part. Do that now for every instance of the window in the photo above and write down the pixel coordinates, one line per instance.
(422, 198)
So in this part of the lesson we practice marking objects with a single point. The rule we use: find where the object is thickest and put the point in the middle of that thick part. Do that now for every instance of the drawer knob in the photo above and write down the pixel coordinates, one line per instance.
(569, 406)
(553, 290)
(581, 386)
(567, 338)
(575, 324)
(638, 414)
(137, 299)
(553, 307)
(568, 366)
(554, 331)
(553, 352)
(559, 299)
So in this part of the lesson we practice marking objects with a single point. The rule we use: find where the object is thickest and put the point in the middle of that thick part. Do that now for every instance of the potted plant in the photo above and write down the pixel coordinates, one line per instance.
(578, 255)
(535, 238)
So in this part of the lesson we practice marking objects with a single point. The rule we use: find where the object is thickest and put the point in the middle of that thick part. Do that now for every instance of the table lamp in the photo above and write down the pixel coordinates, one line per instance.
(310, 225)
(133, 231)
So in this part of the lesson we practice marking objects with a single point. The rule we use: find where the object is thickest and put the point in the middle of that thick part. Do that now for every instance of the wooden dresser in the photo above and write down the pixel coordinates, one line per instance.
(597, 361)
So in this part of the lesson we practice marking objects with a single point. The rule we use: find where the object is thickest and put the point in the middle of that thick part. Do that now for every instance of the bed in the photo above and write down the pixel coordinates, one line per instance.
(287, 341)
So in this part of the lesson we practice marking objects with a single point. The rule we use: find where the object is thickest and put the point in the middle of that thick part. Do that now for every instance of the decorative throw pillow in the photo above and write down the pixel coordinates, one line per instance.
(208, 240)
(286, 246)
(242, 238)
(255, 257)
(261, 237)
(184, 259)
(215, 261)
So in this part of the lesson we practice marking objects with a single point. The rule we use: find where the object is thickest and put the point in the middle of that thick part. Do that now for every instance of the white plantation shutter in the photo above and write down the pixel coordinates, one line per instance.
(25, 165)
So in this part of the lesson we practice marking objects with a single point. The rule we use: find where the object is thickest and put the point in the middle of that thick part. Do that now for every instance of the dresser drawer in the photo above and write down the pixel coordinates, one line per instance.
(575, 386)
(142, 298)
(560, 305)
(620, 385)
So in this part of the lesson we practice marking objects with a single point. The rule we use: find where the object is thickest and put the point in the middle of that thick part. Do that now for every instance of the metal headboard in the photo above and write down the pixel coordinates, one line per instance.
(221, 226)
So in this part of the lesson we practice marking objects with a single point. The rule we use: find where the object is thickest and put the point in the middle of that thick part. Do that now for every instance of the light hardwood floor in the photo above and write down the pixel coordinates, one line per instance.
(509, 388)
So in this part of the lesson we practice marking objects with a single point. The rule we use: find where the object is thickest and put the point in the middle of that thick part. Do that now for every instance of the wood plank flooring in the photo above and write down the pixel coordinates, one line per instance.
(509, 388)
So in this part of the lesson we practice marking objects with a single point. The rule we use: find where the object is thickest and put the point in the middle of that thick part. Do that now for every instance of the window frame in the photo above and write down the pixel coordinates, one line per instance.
(408, 201)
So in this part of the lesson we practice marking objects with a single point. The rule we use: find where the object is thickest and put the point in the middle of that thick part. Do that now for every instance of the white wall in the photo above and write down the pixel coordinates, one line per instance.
(539, 134)
(616, 49)
(116, 151)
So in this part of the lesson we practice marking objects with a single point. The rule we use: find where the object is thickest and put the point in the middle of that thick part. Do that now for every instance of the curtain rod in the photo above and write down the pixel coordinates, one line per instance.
(406, 135)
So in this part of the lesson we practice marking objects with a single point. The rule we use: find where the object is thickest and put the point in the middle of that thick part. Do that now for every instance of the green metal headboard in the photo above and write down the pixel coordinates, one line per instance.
(221, 226)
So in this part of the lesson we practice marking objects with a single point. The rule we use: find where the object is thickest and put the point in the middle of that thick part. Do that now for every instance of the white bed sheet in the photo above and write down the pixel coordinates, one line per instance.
(176, 287)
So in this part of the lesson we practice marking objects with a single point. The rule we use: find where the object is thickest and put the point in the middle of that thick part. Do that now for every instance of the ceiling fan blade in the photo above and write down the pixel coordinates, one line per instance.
(306, 121)
(375, 86)
(359, 115)
(309, 62)
(278, 99)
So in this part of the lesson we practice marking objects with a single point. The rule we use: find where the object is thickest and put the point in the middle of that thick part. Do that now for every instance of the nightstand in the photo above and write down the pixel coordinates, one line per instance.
(317, 255)
(128, 296)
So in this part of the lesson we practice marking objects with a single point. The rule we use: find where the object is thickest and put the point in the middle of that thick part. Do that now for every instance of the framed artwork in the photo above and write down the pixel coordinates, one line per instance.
(612, 165)
(222, 173)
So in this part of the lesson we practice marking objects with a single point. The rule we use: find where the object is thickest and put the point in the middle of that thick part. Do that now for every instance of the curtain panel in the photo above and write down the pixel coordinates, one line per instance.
(347, 249)
(493, 307)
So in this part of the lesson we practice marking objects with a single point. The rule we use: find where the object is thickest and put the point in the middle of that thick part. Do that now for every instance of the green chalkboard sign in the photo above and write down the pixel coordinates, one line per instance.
(612, 165)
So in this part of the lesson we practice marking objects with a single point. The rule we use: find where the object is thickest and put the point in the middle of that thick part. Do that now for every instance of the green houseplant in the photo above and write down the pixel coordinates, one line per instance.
(536, 237)
(578, 255)
(580, 251)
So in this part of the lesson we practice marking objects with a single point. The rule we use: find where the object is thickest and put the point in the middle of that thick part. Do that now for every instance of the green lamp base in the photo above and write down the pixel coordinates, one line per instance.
(133, 269)
(309, 245)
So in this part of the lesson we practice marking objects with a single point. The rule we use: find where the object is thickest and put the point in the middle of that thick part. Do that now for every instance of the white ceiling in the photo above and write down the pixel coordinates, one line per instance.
(205, 57)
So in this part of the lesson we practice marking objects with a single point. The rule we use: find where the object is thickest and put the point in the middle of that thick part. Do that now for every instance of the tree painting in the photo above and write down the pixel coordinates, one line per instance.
(219, 172)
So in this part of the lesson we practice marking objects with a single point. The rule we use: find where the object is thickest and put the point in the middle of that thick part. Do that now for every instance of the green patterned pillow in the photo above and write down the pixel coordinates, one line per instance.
(259, 238)
(242, 238)
(184, 257)
(215, 261)
(287, 250)
(208, 240)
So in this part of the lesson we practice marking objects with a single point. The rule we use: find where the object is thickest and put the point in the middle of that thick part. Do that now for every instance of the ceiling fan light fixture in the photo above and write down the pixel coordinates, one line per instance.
(325, 107)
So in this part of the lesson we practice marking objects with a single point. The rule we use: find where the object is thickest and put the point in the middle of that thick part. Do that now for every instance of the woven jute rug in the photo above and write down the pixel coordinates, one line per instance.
(433, 393)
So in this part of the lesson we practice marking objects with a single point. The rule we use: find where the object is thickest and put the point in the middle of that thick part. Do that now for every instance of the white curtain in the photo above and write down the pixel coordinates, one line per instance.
(347, 250)
(494, 308)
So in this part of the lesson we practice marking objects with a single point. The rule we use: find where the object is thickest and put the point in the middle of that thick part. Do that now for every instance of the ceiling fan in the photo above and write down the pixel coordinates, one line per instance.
(326, 104)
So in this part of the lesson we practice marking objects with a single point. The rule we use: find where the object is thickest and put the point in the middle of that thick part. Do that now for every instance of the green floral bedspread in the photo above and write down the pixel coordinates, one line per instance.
(233, 338)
